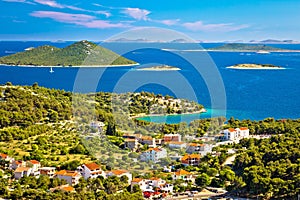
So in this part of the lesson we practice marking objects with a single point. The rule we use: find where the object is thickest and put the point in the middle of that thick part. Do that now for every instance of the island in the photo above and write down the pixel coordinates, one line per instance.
(159, 68)
(258, 48)
(255, 66)
(82, 53)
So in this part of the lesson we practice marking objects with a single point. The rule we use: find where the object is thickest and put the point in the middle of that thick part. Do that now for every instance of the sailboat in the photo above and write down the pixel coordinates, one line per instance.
(51, 70)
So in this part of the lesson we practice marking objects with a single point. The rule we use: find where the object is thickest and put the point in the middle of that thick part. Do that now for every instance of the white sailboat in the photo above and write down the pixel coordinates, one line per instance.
(51, 70)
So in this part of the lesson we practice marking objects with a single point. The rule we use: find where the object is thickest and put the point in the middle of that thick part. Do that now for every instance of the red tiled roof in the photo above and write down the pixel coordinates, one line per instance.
(231, 130)
(243, 128)
(154, 149)
(137, 180)
(34, 162)
(182, 172)
(174, 142)
(191, 156)
(67, 188)
(92, 166)
(22, 169)
(67, 173)
(3, 156)
(196, 144)
(118, 172)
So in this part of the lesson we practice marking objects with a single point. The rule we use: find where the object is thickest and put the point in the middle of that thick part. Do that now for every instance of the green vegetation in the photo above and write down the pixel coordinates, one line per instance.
(78, 54)
(255, 66)
(244, 47)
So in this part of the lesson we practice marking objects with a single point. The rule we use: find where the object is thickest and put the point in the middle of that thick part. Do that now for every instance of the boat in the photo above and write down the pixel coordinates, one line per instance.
(51, 70)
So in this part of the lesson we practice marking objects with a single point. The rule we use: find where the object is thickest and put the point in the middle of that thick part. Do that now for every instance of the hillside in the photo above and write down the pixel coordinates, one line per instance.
(83, 53)
(245, 47)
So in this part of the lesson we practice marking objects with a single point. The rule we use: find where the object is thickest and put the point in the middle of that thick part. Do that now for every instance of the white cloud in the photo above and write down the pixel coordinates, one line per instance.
(78, 19)
(18, 1)
(50, 3)
(222, 27)
(168, 22)
(137, 13)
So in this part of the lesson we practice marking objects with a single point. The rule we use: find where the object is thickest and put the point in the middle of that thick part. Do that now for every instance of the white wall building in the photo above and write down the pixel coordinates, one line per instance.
(91, 170)
(153, 154)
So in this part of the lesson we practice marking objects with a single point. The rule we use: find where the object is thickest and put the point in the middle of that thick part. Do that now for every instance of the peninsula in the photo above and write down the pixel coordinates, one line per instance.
(159, 68)
(82, 53)
(235, 47)
(254, 66)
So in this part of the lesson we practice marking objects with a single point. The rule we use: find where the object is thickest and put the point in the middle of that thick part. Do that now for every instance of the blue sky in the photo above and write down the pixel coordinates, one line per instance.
(206, 20)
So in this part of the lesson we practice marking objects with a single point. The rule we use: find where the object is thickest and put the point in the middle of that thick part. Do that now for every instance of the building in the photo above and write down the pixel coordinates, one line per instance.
(235, 134)
(120, 173)
(191, 159)
(148, 140)
(181, 174)
(152, 184)
(172, 138)
(71, 177)
(202, 149)
(17, 163)
(34, 164)
(21, 172)
(65, 188)
(91, 170)
(131, 144)
(5, 157)
(47, 171)
(153, 154)
(142, 183)
(176, 145)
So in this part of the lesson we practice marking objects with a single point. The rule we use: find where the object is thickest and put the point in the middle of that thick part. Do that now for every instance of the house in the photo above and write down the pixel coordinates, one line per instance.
(172, 138)
(120, 173)
(148, 140)
(181, 174)
(71, 177)
(5, 157)
(47, 171)
(17, 163)
(142, 183)
(65, 188)
(153, 154)
(149, 185)
(235, 134)
(91, 170)
(176, 145)
(194, 147)
(34, 164)
(21, 172)
(191, 159)
(131, 144)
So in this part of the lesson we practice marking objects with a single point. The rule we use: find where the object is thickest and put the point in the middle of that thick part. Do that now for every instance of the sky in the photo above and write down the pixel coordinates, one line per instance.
(205, 20)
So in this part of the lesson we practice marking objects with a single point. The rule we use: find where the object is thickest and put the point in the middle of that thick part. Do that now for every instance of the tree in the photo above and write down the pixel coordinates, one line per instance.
(203, 180)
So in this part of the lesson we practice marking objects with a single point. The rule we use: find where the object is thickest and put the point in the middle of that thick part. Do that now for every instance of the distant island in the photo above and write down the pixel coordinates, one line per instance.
(255, 66)
(83, 53)
(249, 48)
(159, 68)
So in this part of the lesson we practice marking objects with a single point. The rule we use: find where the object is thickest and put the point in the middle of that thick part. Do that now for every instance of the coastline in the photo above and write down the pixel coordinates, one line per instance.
(203, 110)
(158, 69)
(73, 66)
(254, 51)
(256, 68)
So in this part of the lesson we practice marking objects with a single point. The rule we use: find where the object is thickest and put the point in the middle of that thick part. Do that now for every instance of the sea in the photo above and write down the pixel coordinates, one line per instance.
(242, 94)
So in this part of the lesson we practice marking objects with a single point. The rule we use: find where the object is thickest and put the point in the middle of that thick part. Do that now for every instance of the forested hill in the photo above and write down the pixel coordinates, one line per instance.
(77, 54)
(245, 47)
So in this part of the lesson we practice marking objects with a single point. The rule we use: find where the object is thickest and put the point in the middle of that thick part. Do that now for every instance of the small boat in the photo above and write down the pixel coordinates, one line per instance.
(262, 52)
(51, 70)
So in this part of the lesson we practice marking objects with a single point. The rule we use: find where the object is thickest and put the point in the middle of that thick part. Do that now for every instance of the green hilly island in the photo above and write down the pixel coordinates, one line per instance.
(245, 47)
(83, 53)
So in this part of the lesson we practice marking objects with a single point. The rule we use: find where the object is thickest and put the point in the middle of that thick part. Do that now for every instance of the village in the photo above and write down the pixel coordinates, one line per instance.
(151, 187)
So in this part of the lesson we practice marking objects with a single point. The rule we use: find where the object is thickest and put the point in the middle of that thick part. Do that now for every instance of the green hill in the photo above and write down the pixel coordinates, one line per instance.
(244, 47)
(77, 54)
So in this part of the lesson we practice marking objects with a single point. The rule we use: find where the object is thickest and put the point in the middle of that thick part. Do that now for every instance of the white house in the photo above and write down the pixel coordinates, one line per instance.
(21, 172)
(34, 164)
(150, 184)
(176, 145)
(47, 171)
(142, 183)
(17, 163)
(91, 170)
(120, 173)
(236, 134)
(153, 154)
(183, 175)
(72, 177)
(172, 138)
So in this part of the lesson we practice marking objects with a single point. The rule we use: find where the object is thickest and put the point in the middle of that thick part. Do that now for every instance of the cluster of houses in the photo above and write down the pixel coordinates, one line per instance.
(34, 168)
(150, 187)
